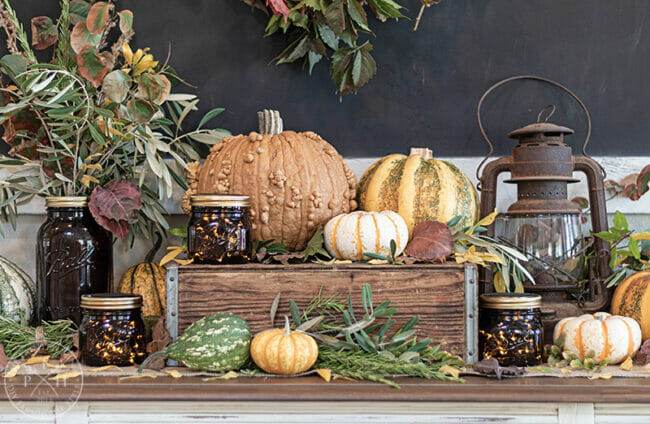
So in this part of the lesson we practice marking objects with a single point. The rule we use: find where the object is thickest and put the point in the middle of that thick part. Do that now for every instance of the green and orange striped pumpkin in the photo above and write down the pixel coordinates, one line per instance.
(609, 336)
(419, 188)
(632, 299)
(148, 280)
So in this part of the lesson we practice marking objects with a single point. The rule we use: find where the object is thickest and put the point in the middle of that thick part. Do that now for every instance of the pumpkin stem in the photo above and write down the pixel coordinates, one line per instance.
(269, 122)
(287, 326)
(160, 354)
(426, 153)
(156, 246)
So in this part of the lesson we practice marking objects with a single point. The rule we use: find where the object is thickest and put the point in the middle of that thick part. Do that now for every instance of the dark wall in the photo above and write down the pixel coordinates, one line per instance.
(428, 82)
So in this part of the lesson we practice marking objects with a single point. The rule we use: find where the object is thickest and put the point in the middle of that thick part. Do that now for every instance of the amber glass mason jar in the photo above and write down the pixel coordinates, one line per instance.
(74, 256)
(510, 328)
(112, 330)
(219, 229)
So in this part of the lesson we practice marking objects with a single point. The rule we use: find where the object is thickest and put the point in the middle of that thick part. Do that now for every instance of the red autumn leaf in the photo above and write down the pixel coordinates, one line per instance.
(115, 206)
(44, 32)
(431, 240)
(80, 37)
(643, 180)
(279, 7)
(94, 66)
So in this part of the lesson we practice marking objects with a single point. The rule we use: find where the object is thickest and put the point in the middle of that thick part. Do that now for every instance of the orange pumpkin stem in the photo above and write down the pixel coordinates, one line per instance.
(287, 326)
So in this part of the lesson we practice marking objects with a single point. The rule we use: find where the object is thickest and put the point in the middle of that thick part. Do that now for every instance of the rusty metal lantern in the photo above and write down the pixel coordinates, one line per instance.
(543, 221)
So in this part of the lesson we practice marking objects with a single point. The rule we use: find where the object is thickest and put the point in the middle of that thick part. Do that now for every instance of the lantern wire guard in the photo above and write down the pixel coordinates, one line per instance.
(543, 219)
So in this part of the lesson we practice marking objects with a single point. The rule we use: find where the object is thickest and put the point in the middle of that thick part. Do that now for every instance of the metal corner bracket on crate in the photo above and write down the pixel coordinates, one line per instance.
(444, 296)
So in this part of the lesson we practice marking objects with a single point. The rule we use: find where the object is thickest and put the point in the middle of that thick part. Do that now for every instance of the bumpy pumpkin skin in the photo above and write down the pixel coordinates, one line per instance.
(609, 336)
(348, 236)
(419, 190)
(148, 280)
(278, 353)
(632, 299)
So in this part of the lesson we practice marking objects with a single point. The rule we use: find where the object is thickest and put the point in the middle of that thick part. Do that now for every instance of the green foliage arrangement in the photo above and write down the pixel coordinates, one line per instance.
(629, 251)
(96, 120)
(330, 29)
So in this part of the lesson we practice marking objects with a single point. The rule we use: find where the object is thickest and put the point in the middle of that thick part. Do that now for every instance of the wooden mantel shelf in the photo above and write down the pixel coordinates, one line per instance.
(314, 389)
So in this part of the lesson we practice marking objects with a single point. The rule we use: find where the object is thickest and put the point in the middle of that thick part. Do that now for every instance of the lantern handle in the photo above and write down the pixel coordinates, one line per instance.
(538, 78)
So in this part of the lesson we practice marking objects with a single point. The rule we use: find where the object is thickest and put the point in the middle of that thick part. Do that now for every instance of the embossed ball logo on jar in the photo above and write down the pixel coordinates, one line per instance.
(39, 385)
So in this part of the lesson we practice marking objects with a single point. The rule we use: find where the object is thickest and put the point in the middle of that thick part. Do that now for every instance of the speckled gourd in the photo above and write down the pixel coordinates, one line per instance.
(632, 299)
(419, 188)
(349, 236)
(296, 180)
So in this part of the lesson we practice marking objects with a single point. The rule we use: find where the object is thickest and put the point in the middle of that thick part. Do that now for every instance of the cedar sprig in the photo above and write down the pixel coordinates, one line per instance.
(15, 30)
(57, 337)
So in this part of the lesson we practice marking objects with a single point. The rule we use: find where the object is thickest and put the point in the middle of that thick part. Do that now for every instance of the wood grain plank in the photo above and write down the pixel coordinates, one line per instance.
(436, 294)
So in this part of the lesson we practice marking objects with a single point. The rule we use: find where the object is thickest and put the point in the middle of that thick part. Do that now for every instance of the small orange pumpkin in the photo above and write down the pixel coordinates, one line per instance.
(284, 352)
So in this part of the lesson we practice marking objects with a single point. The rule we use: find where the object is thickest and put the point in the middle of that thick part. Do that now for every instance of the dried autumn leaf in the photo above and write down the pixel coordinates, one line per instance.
(37, 360)
(325, 374)
(174, 373)
(100, 369)
(126, 21)
(160, 338)
(68, 357)
(279, 7)
(65, 375)
(115, 206)
(12, 372)
(94, 66)
(449, 370)
(227, 376)
(44, 32)
(56, 366)
(137, 377)
(602, 376)
(80, 37)
(116, 86)
(431, 240)
(627, 365)
(154, 88)
(97, 17)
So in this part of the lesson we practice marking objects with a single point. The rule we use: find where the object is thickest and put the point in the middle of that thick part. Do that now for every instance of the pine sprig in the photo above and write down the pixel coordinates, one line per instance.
(19, 32)
(54, 336)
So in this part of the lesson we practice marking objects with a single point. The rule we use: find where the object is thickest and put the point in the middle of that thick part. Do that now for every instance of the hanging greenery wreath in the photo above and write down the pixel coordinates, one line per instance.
(329, 29)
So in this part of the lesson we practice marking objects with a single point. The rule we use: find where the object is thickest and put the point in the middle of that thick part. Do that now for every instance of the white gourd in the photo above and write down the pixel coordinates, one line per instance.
(17, 292)
(609, 336)
(348, 236)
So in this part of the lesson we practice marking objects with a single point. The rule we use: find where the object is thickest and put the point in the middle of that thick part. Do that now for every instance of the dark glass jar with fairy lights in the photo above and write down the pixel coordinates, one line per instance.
(112, 330)
(510, 328)
(219, 229)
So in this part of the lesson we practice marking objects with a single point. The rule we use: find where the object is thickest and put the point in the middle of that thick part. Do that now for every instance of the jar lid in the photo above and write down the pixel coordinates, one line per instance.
(66, 202)
(111, 301)
(511, 300)
(219, 200)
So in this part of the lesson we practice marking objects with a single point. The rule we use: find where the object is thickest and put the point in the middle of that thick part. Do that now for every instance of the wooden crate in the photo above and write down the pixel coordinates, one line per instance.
(444, 296)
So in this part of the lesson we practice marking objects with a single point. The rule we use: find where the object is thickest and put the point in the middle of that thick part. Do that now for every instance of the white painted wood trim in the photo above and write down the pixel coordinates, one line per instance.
(326, 412)
(616, 168)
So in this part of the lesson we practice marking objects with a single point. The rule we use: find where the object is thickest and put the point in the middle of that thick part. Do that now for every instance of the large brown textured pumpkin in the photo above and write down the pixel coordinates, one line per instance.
(632, 299)
(296, 181)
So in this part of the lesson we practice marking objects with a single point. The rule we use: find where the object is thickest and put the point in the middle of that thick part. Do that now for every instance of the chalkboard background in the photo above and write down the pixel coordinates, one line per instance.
(428, 82)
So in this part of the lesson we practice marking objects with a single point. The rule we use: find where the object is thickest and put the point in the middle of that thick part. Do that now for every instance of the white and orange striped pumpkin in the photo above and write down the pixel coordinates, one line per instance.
(348, 236)
(609, 336)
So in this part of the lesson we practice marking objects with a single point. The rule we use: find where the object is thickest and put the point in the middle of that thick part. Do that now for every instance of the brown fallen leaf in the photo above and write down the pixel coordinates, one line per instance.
(37, 360)
(3, 358)
(602, 376)
(65, 375)
(174, 373)
(431, 240)
(68, 357)
(627, 365)
(136, 377)
(160, 338)
(325, 374)
(12, 372)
